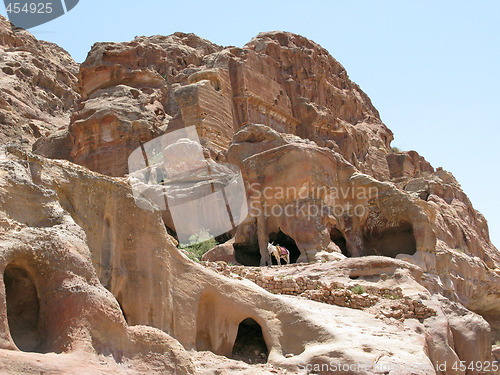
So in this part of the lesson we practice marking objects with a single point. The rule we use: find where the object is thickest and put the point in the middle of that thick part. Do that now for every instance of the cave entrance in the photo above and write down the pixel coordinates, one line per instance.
(337, 237)
(280, 238)
(247, 254)
(119, 299)
(224, 237)
(23, 309)
(391, 241)
(172, 233)
(250, 346)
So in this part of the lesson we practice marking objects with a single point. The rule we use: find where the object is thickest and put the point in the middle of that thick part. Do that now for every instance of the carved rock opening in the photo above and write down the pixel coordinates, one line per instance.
(119, 299)
(224, 237)
(250, 345)
(337, 237)
(247, 254)
(23, 309)
(280, 238)
(390, 241)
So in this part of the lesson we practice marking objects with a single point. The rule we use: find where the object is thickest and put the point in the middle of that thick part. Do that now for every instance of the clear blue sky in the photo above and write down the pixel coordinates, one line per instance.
(432, 68)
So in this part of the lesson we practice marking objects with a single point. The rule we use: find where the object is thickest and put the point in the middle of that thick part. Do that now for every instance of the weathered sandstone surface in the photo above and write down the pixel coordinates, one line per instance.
(394, 269)
(38, 90)
(132, 91)
(94, 280)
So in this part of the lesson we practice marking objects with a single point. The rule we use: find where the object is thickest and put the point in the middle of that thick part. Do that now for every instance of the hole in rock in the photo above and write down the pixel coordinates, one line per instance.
(280, 238)
(8, 70)
(224, 237)
(391, 241)
(247, 254)
(172, 233)
(250, 346)
(23, 308)
(119, 299)
(338, 239)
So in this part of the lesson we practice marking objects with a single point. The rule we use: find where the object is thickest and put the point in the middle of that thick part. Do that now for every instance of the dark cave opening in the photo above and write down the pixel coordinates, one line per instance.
(119, 299)
(172, 233)
(391, 241)
(250, 346)
(23, 309)
(224, 237)
(247, 254)
(280, 238)
(337, 237)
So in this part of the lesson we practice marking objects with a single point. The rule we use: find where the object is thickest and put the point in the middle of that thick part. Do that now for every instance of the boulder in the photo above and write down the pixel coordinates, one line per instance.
(223, 252)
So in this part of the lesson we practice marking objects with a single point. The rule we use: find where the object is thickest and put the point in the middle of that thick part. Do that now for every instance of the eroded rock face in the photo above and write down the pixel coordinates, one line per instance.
(308, 192)
(76, 244)
(328, 107)
(130, 96)
(52, 299)
(113, 122)
(278, 79)
(38, 88)
(419, 220)
(316, 120)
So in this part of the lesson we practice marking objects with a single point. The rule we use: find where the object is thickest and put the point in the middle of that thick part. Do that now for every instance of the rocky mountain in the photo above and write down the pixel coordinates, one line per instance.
(391, 268)
(38, 87)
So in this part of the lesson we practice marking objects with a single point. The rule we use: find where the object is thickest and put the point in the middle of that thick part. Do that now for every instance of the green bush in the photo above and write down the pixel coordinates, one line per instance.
(395, 149)
(358, 289)
(391, 296)
(198, 245)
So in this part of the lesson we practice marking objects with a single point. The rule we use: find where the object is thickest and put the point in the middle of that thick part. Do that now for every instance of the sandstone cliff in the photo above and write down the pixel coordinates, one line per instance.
(410, 279)
(38, 89)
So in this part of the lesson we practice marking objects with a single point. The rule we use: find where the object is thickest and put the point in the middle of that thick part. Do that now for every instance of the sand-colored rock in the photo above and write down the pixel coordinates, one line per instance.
(278, 79)
(113, 122)
(407, 164)
(38, 87)
(308, 191)
(127, 100)
(152, 281)
(52, 299)
(223, 252)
